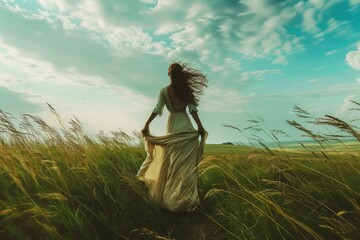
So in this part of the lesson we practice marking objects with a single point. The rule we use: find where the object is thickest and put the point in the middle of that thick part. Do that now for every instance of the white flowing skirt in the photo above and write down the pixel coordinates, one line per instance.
(170, 168)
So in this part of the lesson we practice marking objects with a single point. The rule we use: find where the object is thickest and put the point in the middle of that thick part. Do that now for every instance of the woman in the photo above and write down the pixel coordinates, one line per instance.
(170, 168)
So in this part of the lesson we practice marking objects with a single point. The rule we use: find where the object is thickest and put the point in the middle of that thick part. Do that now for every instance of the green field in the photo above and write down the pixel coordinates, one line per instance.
(226, 149)
(70, 185)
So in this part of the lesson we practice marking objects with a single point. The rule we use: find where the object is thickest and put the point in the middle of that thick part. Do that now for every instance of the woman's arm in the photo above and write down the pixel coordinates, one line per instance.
(147, 124)
(157, 111)
(201, 129)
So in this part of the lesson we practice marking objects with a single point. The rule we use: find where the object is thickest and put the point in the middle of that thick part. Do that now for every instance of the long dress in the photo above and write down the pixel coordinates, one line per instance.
(170, 168)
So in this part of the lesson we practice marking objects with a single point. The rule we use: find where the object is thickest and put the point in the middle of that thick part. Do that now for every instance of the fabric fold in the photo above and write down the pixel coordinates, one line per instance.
(170, 169)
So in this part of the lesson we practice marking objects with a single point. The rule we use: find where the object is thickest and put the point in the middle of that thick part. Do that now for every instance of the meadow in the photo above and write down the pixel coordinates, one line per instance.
(65, 184)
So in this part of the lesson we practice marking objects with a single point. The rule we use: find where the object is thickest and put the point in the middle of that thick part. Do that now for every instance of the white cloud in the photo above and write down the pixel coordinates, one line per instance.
(89, 15)
(314, 80)
(280, 60)
(210, 37)
(259, 74)
(168, 28)
(332, 52)
(333, 90)
(270, 39)
(347, 104)
(317, 3)
(149, 1)
(334, 26)
(61, 5)
(354, 2)
(7, 80)
(309, 22)
(37, 71)
(312, 14)
(353, 58)
(230, 65)
(198, 31)
(217, 99)
(163, 5)
(133, 37)
(102, 105)
(14, 8)
(249, 28)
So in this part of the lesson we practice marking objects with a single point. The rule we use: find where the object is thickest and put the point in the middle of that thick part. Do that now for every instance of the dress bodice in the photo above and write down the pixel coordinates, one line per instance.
(170, 107)
(164, 99)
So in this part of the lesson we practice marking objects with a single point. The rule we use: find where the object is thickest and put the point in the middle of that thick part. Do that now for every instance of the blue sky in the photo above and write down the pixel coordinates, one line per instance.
(105, 61)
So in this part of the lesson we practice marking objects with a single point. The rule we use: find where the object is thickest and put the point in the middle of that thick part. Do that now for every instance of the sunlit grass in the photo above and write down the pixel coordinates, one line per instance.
(64, 184)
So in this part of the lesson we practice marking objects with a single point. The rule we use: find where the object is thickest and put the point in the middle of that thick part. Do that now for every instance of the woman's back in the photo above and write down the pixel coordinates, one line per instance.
(178, 120)
(173, 99)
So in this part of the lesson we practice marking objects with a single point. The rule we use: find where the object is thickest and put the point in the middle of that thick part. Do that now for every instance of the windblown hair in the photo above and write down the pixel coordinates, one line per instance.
(188, 83)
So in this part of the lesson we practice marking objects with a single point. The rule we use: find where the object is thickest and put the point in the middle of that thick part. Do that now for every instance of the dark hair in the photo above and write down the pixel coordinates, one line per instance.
(187, 83)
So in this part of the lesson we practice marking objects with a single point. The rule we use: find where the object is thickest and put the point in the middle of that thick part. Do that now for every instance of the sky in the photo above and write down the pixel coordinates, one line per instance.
(105, 61)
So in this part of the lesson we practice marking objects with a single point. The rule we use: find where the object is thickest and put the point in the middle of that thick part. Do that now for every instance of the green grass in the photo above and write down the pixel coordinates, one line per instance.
(226, 149)
(73, 186)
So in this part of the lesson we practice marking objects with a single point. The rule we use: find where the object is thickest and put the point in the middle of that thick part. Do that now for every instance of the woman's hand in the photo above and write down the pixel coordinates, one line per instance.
(201, 129)
(145, 130)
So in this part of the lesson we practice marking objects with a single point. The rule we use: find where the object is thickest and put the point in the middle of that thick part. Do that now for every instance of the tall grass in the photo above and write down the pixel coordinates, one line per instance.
(276, 193)
(65, 184)
(68, 185)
